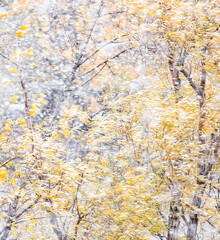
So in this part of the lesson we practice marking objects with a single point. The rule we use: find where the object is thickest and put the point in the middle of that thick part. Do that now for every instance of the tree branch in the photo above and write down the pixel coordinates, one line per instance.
(107, 60)
(190, 80)
(203, 79)
(93, 76)
(91, 29)
(27, 208)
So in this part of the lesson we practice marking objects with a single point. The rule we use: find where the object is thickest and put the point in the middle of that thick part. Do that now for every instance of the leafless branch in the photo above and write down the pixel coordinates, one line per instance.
(27, 111)
(190, 80)
(28, 208)
(93, 76)
(9, 160)
(113, 13)
(113, 41)
(107, 60)
(16, 64)
(91, 29)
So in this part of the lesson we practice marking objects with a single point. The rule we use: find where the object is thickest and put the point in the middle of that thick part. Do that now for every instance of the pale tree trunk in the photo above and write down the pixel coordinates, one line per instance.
(207, 157)
(11, 215)
(193, 220)
(175, 76)
(197, 199)
(175, 204)
(6, 230)
(174, 216)
(54, 222)
(55, 225)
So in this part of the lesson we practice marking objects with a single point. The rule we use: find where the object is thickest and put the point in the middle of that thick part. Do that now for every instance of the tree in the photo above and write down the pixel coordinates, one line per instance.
(118, 136)
(44, 146)
(186, 135)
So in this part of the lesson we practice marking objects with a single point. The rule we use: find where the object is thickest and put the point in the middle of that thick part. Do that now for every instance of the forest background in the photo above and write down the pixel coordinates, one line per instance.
(110, 123)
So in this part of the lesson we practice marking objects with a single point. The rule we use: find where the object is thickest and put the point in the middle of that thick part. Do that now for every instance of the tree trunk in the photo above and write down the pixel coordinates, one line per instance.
(175, 205)
(207, 158)
(55, 225)
(193, 226)
(11, 214)
(6, 230)
(175, 211)
(193, 218)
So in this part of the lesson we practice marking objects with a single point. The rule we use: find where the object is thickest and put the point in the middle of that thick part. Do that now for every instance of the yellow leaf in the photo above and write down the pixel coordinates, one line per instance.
(3, 138)
(30, 229)
(3, 174)
(29, 53)
(21, 121)
(23, 27)
(10, 121)
(210, 213)
(14, 98)
(20, 34)
(148, 71)
(14, 70)
(12, 181)
(10, 82)
(4, 15)
(8, 164)
(8, 127)
(5, 148)
(33, 220)
(34, 109)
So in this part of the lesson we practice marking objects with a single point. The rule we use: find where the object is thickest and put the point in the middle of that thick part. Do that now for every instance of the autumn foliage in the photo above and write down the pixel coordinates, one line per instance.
(110, 122)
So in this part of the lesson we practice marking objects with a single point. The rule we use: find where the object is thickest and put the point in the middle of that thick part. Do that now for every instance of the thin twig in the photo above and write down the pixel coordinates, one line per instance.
(27, 208)
(91, 29)
(9, 160)
(93, 76)
(113, 41)
(107, 60)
